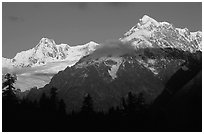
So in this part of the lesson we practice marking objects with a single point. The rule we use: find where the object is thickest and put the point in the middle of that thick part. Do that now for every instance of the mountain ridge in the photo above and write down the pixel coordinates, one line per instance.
(146, 33)
(151, 32)
(48, 51)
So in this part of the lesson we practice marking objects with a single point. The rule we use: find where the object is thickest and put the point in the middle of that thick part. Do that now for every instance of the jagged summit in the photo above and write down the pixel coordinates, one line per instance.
(146, 20)
(150, 33)
(45, 40)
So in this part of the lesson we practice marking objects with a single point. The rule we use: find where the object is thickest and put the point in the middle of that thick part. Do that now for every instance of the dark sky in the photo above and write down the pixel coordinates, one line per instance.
(24, 24)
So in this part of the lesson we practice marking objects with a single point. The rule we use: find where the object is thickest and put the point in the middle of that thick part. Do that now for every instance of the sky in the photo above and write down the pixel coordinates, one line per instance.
(24, 24)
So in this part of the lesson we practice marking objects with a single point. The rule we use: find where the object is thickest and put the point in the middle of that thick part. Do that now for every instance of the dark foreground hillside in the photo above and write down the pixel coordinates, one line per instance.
(178, 108)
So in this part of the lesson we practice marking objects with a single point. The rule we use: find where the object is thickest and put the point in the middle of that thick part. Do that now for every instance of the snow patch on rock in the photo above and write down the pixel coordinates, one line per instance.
(115, 67)
(148, 65)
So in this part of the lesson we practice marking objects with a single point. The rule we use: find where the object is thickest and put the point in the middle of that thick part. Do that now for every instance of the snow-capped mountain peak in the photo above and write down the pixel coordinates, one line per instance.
(47, 41)
(146, 21)
(48, 51)
(151, 33)
(91, 45)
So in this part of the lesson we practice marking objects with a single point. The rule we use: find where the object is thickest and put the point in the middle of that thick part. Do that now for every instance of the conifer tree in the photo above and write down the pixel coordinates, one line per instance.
(87, 106)
(53, 98)
(62, 108)
(9, 89)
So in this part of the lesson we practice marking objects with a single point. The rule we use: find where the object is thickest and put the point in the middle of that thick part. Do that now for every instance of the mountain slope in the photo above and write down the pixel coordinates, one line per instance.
(36, 66)
(169, 42)
(143, 60)
(180, 104)
(106, 80)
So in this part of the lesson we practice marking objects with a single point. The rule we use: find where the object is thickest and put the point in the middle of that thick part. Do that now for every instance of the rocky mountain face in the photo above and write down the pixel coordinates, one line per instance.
(143, 60)
(162, 43)
(106, 80)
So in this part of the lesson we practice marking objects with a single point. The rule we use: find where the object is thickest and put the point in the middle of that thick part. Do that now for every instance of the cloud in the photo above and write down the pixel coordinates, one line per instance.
(44, 74)
(87, 5)
(14, 18)
(118, 4)
(79, 5)
(113, 48)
